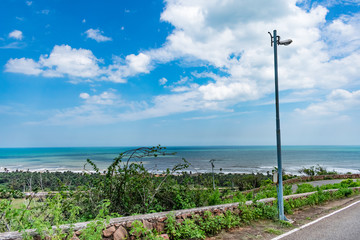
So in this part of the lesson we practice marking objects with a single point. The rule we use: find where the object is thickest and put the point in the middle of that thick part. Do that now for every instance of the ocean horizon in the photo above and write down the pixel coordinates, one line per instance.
(228, 159)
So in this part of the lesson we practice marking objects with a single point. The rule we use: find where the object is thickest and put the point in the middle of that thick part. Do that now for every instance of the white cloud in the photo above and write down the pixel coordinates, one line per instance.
(231, 37)
(29, 3)
(97, 35)
(182, 80)
(84, 95)
(45, 11)
(138, 63)
(94, 110)
(64, 60)
(218, 33)
(23, 65)
(132, 65)
(105, 98)
(81, 64)
(14, 45)
(162, 81)
(84, 20)
(338, 101)
(220, 91)
(164, 105)
(16, 34)
(342, 35)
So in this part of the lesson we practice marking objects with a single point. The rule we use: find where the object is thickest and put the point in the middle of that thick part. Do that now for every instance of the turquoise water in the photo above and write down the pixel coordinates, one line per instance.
(240, 159)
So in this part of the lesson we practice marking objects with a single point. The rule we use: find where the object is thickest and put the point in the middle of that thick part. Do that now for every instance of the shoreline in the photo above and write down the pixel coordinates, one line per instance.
(229, 159)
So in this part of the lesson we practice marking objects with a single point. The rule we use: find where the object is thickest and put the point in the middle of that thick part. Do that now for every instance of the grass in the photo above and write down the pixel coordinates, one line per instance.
(273, 231)
(17, 202)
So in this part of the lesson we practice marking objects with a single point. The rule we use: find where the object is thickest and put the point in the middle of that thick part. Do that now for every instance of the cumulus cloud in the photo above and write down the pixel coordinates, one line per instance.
(343, 36)
(230, 37)
(62, 61)
(221, 91)
(65, 61)
(162, 81)
(97, 35)
(138, 63)
(79, 63)
(338, 101)
(84, 95)
(134, 64)
(94, 109)
(105, 98)
(23, 65)
(164, 105)
(16, 34)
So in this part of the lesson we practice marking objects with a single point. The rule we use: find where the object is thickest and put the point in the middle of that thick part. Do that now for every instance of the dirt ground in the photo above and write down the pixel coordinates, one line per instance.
(267, 229)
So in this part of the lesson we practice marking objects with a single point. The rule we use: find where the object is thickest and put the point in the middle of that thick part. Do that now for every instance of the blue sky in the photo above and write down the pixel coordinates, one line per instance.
(177, 72)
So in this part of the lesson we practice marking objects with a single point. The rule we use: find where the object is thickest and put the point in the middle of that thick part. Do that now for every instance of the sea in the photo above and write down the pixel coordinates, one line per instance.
(227, 159)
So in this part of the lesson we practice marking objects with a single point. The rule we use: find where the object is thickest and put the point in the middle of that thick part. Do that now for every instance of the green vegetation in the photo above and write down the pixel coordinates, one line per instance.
(128, 188)
(141, 232)
(317, 198)
(26, 181)
(316, 171)
(273, 231)
(306, 187)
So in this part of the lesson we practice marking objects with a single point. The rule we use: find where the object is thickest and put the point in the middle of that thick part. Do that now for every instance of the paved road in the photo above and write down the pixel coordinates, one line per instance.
(344, 225)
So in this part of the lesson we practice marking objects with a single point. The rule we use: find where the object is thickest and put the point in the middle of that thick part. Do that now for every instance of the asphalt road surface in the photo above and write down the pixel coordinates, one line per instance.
(343, 225)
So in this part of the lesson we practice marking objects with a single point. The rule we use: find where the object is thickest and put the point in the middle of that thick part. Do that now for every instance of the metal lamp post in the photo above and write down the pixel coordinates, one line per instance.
(275, 41)
(212, 169)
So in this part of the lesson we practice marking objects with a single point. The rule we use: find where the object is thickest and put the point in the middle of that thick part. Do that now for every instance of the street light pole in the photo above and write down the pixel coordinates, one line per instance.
(276, 41)
(212, 170)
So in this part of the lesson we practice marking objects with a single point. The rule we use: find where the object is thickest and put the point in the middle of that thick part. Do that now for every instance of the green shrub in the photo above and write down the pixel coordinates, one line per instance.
(316, 171)
(246, 215)
(141, 232)
(230, 220)
(210, 224)
(214, 198)
(305, 187)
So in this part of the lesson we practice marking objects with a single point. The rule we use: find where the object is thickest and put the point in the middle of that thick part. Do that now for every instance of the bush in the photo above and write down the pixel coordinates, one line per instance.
(188, 229)
(131, 188)
(210, 224)
(305, 187)
(316, 171)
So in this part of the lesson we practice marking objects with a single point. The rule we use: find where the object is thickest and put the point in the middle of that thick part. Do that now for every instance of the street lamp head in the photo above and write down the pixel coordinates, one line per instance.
(278, 41)
(285, 42)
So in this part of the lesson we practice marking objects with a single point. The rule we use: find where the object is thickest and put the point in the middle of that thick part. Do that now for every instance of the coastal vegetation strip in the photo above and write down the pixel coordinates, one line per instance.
(127, 188)
(191, 223)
